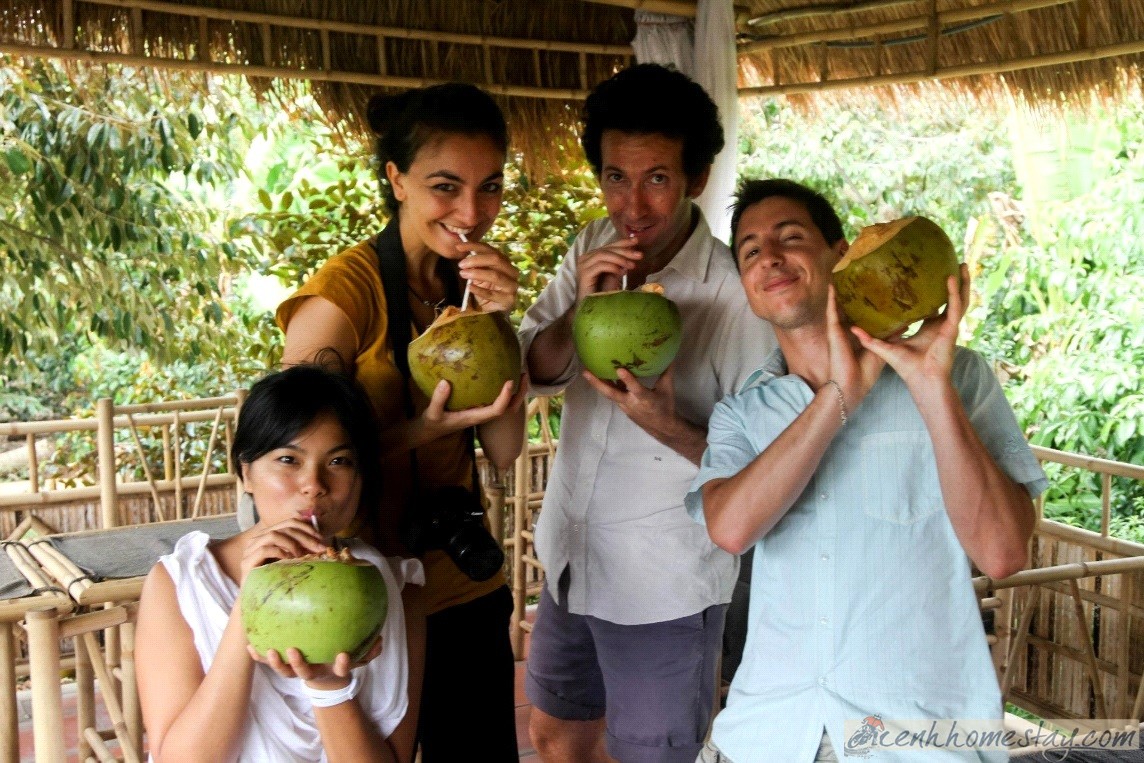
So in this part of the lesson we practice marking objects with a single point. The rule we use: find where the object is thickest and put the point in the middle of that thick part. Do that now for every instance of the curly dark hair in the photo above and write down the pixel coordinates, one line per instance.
(405, 122)
(649, 98)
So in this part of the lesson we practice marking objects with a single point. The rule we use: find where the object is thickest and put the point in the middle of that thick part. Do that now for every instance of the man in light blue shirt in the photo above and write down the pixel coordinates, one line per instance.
(864, 473)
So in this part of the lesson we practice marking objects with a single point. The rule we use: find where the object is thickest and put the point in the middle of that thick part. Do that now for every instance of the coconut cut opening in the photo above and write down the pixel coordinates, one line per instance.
(342, 555)
(650, 288)
(452, 313)
(870, 239)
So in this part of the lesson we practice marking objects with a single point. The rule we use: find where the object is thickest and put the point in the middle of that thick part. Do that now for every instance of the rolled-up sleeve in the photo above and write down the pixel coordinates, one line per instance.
(995, 423)
(729, 451)
(556, 299)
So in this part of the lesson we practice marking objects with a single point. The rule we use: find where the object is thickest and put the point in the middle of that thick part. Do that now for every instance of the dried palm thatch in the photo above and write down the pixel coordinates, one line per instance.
(540, 57)
(1046, 51)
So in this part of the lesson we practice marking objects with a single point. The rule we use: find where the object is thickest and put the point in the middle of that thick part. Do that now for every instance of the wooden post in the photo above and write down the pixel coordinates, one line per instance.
(382, 66)
(204, 51)
(1105, 503)
(266, 52)
(67, 12)
(178, 458)
(10, 732)
(132, 712)
(324, 37)
(47, 706)
(520, 512)
(496, 514)
(33, 464)
(84, 695)
(239, 399)
(105, 448)
(934, 34)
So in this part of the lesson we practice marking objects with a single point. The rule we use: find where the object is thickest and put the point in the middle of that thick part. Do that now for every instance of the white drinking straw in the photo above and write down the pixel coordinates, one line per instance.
(465, 299)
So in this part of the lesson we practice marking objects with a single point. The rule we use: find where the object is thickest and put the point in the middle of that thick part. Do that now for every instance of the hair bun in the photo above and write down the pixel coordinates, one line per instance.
(382, 111)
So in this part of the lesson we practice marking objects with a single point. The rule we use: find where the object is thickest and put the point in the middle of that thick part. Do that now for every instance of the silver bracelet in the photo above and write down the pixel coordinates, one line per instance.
(841, 400)
(331, 697)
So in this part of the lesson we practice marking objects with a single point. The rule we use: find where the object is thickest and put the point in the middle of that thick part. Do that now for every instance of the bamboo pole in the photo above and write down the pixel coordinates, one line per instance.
(84, 695)
(1082, 26)
(67, 19)
(685, 8)
(1089, 539)
(852, 32)
(324, 38)
(42, 626)
(146, 468)
(204, 51)
(99, 747)
(369, 30)
(267, 51)
(1105, 503)
(177, 437)
(1084, 636)
(68, 495)
(22, 428)
(964, 70)
(132, 712)
(520, 507)
(1089, 463)
(382, 65)
(208, 404)
(111, 702)
(1123, 653)
(206, 465)
(9, 724)
(933, 38)
(247, 70)
(33, 465)
(1030, 609)
(105, 447)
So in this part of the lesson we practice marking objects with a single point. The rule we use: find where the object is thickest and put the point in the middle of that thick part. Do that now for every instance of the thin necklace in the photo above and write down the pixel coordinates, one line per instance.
(422, 300)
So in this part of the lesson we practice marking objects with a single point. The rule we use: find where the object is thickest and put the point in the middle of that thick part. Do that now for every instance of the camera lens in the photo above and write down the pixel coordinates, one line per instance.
(475, 552)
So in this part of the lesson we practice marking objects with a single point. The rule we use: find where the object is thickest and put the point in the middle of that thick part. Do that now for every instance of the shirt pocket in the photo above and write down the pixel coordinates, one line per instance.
(899, 480)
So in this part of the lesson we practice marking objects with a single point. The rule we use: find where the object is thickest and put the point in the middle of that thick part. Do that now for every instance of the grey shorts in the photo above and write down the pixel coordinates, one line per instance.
(653, 684)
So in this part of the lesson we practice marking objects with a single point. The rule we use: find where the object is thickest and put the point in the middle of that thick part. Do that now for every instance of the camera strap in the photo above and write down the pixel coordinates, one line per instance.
(394, 280)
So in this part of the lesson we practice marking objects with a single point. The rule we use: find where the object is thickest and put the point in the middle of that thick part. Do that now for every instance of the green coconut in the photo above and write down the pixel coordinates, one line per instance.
(639, 330)
(475, 352)
(895, 274)
(321, 604)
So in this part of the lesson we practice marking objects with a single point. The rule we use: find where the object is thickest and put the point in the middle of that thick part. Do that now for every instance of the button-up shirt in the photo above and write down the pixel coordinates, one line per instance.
(613, 511)
(861, 595)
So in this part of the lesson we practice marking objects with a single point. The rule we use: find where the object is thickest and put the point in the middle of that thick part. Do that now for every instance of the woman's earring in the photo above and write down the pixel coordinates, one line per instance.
(247, 512)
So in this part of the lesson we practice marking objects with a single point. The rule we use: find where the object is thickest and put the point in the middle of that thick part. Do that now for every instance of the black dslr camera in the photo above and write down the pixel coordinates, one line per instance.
(452, 519)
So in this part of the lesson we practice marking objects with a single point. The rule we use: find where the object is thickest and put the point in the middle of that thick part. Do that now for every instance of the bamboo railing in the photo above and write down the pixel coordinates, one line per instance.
(169, 492)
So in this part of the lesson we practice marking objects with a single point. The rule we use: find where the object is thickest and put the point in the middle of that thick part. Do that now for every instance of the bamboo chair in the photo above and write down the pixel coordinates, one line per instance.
(25, 588)
(106, 587)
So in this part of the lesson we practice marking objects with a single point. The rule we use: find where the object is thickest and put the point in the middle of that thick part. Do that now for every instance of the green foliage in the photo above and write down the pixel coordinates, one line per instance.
(940, 161)
(1064, 306)
(108, 228)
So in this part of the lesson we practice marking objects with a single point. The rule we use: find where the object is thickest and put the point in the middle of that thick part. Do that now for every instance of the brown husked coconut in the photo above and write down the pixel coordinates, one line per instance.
(895, 274)
(476, 352)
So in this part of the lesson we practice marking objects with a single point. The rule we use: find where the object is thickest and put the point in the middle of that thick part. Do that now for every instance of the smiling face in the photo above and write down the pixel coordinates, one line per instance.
(315, 474)
(454, 186)
(785, 263)
(646, 191)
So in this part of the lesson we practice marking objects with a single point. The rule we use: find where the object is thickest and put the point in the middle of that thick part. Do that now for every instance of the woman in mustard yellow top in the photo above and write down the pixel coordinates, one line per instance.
(441, 152)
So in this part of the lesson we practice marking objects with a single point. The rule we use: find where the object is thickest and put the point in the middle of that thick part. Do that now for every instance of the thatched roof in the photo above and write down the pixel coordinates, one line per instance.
(540, 57)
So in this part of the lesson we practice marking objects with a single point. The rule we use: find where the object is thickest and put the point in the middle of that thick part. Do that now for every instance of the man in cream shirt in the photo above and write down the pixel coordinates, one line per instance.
(623, 655)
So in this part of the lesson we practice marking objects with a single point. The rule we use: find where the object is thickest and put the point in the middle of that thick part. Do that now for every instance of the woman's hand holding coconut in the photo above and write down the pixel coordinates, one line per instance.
(292, 539)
